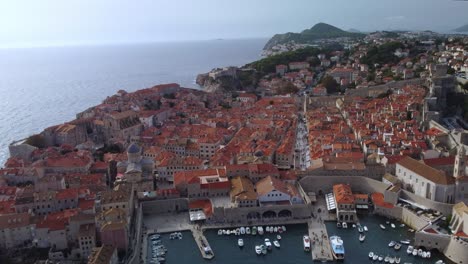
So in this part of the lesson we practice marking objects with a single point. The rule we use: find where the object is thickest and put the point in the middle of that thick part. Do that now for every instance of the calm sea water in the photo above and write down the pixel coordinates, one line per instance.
(226, 251)
(41, 87)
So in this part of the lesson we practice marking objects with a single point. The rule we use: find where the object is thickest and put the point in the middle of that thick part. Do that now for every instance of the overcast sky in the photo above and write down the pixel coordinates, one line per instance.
(56, 22)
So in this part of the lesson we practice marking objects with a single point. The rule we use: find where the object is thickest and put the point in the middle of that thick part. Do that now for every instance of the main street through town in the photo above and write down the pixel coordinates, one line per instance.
(302, 153)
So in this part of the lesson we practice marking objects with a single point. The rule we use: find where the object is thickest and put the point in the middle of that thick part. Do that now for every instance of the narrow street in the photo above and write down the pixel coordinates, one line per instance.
(301, 151)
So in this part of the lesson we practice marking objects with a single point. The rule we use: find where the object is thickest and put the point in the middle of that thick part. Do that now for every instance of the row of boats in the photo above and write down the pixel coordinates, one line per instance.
(252, 231)
(392, 225)
(386, 259)
(267, 246)
(344, 225)
(158, 250)
(175, 235)
(418, 252)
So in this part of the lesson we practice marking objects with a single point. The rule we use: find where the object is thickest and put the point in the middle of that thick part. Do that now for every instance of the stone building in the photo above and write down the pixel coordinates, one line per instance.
(106, 254)
(345, 203)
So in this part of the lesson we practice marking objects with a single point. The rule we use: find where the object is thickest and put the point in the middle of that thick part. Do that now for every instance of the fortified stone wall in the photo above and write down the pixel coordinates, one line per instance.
(441, 207)
(244, 214)
(374, 91)
(165, 206)
(431, 241)
(325, 184)
(457, 251)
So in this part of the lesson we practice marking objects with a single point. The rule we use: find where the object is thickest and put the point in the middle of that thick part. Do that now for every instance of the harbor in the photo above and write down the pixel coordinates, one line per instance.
(292, 249)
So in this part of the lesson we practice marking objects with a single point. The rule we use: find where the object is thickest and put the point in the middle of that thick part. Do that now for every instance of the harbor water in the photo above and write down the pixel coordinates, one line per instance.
(227, 251)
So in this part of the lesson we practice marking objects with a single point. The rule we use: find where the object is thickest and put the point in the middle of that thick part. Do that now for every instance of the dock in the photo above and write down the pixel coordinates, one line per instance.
(202, 243)
(321, 249)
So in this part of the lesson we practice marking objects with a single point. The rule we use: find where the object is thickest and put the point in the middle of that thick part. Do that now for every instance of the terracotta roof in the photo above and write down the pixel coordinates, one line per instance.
(202, 204)
(268, 184)
(343, 194)
(378, 200)
(14, 220)
(242, 189)
(443, 161)
(426, 171)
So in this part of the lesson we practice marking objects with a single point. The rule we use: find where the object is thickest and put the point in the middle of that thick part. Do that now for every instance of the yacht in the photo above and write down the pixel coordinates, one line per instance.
(240, 242)
(258, 250)
(391, 244)
(382, 226)
(278, 237)
(366, 229)
(247, 230)
(260, 230)
(371, 255)
(362, 237)
(409, 250)
(397, 246)
(268, 243)
(254, 230)
(276, 243)
(242, 230)
(344, 225)
(220, 232)
(306, 242)
(337, 247)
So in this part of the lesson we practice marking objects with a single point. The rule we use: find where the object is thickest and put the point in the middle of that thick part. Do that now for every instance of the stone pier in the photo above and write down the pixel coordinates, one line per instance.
(202, 243)
(321, 249)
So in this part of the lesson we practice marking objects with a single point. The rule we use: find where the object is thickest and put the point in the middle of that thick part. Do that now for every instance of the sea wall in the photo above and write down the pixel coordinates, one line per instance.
(457, 250)
(406, 216)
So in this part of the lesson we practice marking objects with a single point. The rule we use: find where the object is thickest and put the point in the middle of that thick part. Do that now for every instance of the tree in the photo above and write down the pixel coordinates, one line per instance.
(450, 70)
(330, 84)
(288, 88)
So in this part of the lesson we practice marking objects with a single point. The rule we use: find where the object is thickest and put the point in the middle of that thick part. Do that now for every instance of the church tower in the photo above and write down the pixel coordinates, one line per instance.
(459, 166)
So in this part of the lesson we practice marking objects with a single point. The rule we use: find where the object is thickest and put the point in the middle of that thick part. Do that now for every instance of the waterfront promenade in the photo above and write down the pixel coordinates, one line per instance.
(321, 250)
(202, 243)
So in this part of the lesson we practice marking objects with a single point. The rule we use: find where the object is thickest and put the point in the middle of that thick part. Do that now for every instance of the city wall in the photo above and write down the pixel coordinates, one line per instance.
(374, 91)
(165, 206)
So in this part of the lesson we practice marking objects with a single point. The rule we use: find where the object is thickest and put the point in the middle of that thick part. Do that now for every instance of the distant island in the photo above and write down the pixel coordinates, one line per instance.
(319, 31)
(462, 29)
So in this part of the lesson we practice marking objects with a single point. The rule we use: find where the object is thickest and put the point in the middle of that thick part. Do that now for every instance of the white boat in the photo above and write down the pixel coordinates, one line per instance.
(354, 225)
(338, 224)
(260, 230)
(411, 230)
(220, 232)
(284, 228)
(375, 257)
(238, 232)
(271, 229)
(424, 254)
(242, 230)
(388, 222)
(278, 237)
(360, 229)
(397, 246)
(275, 229)
(402, 225)
(382, 226)
(440, 262)
(247, 230)
(392, 225)
(387, 259)
(306, 242)
(406, 241)
(268, 243)
(371, 255)
(280, 229)
(254, 231)
(344, 225)
(391, 260)
(337, 246)
(381, 257)
(420, 252)
(409, 250)
(428, 254)
(179, 235)
(276, 243)
(397, 260)
(224, 232)
(240, 242)
(415, 252)
(391, 244)
(258, 250)
(362, 237)
(228, 232)
(267, 229)
(365, 228)
(264, 249)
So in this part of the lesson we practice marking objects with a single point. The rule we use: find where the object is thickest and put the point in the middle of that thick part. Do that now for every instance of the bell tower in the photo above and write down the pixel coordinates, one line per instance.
(460, 163)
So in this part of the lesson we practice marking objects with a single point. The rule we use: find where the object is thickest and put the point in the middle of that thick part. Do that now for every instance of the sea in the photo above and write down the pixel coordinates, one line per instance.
(226, 250)
(41, 87)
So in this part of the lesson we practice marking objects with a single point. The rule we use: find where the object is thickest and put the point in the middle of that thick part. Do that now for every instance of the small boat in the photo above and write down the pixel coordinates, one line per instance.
(411, 230)
(267, 229)
(258, 250)
(260, 230)
(284, 228)
(392, 225)
(420, 252)
(268, 243)
(338, 224)
(179, 235)
(254, 230)
(391, 260)
(306, 242)
(424, 254)
(247, 230)
(220, 232)
(375, 257)
(387, 259)
(360, 229)
(242, 230)
(371, 255)
(391, 244)
(397, 260)
(415, 252)
(264, 249)
(354, 225)
(428, 254)
(237, 232)
(365, 228)
(278, 237)
(276, 243)
(271, 229)
(275, 229)
(382, 226)
(280, 229)
(381, 257)
(388, 222)
(402, 225)
(362, 237)
(224, 232)
(440, 262)
(397, 246)
(409, 250)
(240, 242)
(406, 241)
(344, 225)
(228, 232)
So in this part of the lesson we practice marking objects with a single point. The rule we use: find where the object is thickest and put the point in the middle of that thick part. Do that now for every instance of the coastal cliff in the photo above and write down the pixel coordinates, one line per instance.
(228, 79)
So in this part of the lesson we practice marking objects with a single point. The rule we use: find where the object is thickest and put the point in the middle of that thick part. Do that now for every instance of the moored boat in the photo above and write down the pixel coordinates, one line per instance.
(375, 257)
(362, 237)
(260, 230)
(306, 242)
(381, 257)
(415, 252)
(360, 229)
(280, 229)
(440, 262)
(387, 259)
(254, 230)
(271, 229)
(264, 249)
(220, 232)
(397, 260)
(392, 225)
(371, 254)
(391, 260)
(366, 229)
(242, 230)
(337, 246)
(338, 224)
(402, 225)
(267, 229)
(268, 243)
(406, 241)
(420, 252)
(382, 226)
(391, 244)
(409, 250)
(258, 250)
(284, 228)
(397, 246)
(247, 230)
(240, 242)
(278, 237)
(275, 229)
(276, 243)
(428, 254)
(344, 225)
(237, 232)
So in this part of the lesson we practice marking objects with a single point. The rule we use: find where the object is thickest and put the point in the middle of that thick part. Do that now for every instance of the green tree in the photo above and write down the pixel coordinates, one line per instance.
(330, 84)
(288, 88)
